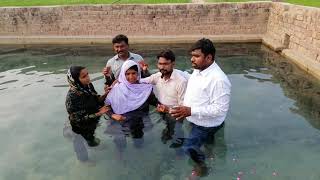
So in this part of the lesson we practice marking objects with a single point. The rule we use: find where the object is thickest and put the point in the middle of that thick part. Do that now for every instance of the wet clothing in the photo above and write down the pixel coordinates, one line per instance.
(199, 136)
(81, 108)
(135, 120)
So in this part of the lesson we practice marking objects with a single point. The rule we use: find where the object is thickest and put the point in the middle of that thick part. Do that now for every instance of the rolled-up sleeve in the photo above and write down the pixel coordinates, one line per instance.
(181, 89)
(148, 80)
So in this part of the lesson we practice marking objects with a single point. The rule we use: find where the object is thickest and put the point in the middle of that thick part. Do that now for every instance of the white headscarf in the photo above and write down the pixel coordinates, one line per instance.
(124, 96)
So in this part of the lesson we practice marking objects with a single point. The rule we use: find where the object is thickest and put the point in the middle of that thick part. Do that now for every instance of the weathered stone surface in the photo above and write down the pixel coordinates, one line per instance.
(300, 23)
(223, 21)
(135, 20)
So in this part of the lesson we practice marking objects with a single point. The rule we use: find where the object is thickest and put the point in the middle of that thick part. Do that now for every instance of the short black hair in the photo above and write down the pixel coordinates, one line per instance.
(168, 54)
(205, 45)
(119, 38)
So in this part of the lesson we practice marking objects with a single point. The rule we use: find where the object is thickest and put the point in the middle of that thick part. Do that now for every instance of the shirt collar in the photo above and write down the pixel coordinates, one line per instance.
(173, 75)
(130, 57)
(206, 71)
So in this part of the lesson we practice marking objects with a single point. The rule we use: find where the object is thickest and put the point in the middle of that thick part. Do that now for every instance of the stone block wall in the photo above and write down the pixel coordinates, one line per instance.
(297, 27)
(136, 20)
(294, 30)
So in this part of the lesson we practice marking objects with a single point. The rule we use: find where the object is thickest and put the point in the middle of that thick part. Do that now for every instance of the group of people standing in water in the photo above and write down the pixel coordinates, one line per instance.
(201, 98)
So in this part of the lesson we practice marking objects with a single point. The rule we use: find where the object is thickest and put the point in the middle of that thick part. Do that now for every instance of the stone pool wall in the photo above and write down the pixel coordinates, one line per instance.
(290, 29)
(296, 31)
(185, 20)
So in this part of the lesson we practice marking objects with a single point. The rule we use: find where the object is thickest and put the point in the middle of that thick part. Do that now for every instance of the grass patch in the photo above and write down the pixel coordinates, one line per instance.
(315, 3)
(72, 2)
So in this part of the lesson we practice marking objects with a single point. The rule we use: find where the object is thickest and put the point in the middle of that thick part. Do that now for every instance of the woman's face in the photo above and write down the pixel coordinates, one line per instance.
(84, 77)
(132, 76)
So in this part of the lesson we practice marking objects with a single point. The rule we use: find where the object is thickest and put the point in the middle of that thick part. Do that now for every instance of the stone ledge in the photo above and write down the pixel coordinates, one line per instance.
(237, 38)
(272, 44)
(309, 65)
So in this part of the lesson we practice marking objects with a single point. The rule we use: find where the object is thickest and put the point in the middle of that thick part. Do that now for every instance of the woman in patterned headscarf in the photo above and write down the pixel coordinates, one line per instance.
(83, 104)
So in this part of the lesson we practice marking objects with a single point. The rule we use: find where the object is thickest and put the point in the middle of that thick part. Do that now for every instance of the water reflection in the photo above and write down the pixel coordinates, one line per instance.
(173, 131)
(266, 65)
(297, 85)
(79, 143)
(134, 126)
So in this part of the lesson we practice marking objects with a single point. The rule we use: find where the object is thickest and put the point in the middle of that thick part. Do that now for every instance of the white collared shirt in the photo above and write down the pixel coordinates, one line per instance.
(115, 62)
(208, 95)
(169, 92)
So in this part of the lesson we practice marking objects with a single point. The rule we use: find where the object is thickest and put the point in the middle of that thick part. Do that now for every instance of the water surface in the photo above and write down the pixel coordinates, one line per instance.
(271, 131)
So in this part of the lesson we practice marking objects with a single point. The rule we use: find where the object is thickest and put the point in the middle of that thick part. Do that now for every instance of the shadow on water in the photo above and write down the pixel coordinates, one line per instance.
(297, 85)
(267, 65)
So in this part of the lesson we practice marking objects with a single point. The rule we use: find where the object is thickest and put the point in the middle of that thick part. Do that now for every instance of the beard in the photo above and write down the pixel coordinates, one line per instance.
(195, 66)
(165, 72)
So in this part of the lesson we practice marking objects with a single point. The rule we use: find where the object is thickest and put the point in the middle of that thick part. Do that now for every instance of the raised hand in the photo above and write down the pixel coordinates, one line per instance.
(144, 66)
(106, 71)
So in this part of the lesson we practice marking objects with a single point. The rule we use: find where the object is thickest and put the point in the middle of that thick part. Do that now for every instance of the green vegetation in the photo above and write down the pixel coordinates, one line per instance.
(315, 3)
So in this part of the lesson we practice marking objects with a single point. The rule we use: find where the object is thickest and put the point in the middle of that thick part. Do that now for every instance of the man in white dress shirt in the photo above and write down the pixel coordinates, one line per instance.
(169, 88)
(206, 100)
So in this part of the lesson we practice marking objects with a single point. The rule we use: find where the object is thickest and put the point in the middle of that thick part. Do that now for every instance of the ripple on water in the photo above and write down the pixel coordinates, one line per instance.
(7, 82)
(66, 85)
(26, 85)
(258, 76)
(25, 70)
(96, 78)
(30, 72)
(46, 74)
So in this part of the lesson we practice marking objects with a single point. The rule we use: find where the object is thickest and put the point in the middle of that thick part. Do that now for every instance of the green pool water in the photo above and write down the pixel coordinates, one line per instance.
(271, 131)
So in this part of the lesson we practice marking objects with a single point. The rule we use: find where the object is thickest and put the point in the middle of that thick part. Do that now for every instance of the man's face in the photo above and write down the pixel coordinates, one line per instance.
(121, 48)
(165, 66)
(199, 60)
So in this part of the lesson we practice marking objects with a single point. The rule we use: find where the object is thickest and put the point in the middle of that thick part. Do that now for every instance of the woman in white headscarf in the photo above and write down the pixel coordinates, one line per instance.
(130, 100)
